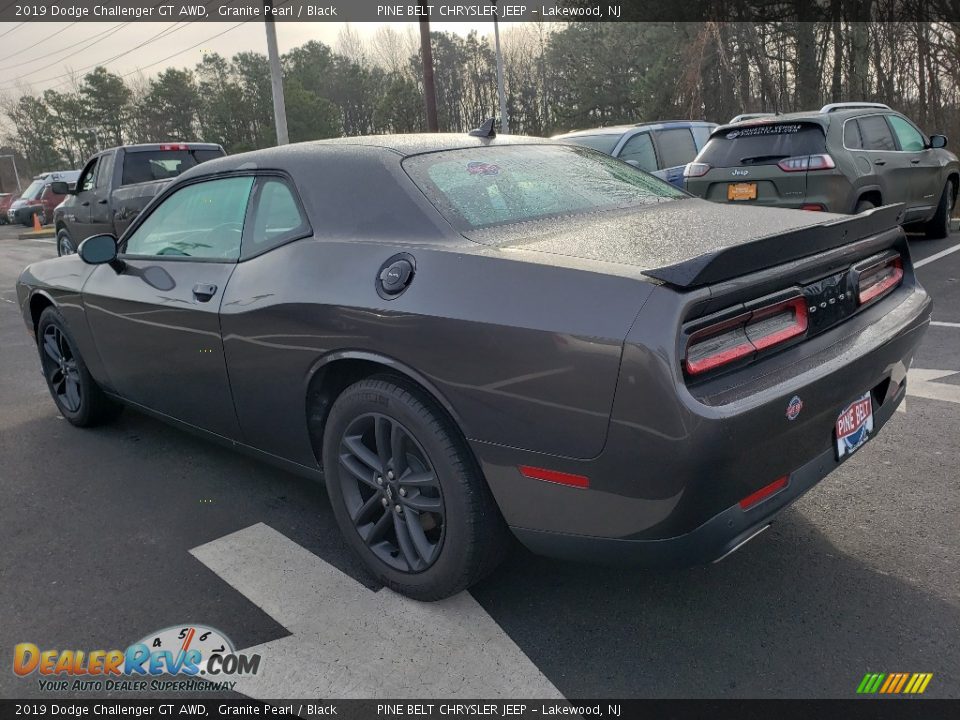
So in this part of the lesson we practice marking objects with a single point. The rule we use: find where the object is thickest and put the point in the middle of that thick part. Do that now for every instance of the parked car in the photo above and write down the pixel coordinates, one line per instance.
(6, 199)
(463, 334)
(846, 158)
(41, 197)
(662, 149)
(750, 116)
(116, 184)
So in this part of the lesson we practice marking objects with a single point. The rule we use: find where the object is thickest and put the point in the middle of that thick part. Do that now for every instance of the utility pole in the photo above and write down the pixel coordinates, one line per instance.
(16, 174)
(276, 75)
(500, 89)
(429, 91)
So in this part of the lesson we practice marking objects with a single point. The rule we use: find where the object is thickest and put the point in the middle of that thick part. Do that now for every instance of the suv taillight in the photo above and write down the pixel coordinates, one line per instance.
(878, 279)
(802, 163)
(696, 169)
(729, 340)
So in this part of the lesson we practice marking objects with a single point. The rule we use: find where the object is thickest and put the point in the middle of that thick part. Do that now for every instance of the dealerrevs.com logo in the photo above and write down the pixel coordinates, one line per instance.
(184, 658)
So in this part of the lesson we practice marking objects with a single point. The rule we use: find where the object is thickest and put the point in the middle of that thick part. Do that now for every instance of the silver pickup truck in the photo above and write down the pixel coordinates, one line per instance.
(116, 184)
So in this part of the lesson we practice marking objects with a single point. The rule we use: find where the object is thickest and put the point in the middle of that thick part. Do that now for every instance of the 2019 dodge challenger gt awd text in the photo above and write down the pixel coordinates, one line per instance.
(469, 337)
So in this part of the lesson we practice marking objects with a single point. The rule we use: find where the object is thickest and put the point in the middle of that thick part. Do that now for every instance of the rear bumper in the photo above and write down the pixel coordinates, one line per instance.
(666, 488)
(716, 538)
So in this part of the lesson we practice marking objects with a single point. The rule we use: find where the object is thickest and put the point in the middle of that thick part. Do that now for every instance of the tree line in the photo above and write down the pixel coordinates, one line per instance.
(558, 77)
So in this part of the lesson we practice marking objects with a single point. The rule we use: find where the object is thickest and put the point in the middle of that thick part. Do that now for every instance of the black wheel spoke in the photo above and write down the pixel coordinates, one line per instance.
(72, 395)
(415, 529)
(358, 469)
(398, 459)
(366, 510)
(382, 428)
(50, 348)
(423, 479)
(405, 542)
(422, 503)
(379, 528)
(360, 451)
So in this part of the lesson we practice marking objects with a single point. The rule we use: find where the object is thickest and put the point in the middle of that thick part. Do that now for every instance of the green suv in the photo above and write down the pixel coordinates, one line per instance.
(846, 158)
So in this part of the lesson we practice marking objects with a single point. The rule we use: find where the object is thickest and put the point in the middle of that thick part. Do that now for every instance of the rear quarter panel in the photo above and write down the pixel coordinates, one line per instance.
(525, 354)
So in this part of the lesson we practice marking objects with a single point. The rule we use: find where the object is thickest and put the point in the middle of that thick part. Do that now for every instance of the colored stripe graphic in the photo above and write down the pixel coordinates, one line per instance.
(894, 683)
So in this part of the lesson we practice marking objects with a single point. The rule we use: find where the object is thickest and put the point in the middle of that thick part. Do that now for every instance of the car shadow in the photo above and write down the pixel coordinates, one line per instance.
(787, 616)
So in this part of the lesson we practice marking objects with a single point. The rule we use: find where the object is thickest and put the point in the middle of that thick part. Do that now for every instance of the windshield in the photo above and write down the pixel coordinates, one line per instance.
(765, 144)
(477, 188)
(33, 190)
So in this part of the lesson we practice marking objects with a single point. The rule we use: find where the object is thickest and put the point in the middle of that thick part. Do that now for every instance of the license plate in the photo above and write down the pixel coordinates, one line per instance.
(742, 191)
(854, 425)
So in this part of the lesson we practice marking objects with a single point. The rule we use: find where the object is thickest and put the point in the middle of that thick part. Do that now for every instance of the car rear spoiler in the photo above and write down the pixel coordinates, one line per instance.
(730, 262)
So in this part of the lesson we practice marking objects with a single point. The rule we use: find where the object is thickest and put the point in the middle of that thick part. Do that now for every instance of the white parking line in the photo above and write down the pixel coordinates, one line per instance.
(349, 642)
(937, 256)
(937, 323)
(922, 383)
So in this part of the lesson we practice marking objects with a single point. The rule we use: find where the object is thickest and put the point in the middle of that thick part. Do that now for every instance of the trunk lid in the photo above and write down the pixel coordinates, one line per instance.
(691, 243)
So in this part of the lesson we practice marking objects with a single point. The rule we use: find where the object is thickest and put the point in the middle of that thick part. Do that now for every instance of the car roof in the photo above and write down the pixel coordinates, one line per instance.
(823, 119)
(621, 129)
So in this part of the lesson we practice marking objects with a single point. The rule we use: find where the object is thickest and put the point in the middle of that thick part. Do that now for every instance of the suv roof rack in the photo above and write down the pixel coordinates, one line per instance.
(852, 106)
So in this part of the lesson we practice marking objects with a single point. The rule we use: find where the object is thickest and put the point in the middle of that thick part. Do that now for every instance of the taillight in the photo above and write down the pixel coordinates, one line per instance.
(742, 336)
(174, 146)
(696, 169)
(802, 163)
(878, 279)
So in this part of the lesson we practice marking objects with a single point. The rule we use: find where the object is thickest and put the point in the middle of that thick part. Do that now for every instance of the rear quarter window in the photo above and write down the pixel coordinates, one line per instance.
(765, 144)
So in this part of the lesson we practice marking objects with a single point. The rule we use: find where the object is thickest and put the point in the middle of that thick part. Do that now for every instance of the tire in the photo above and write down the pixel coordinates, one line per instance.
(76, 394)
(939, 225)
(448, 532)
(65, 244)
(863, 206)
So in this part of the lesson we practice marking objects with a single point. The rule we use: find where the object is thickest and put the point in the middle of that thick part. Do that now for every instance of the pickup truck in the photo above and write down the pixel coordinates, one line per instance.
(116, 184)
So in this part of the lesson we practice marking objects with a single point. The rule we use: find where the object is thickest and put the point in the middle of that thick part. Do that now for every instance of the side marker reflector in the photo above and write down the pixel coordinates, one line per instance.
(562, 478)
(763, 493)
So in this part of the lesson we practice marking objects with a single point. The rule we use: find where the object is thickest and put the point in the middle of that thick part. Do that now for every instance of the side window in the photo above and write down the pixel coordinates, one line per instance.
(851, 136)
(88, 178)
(909, 137)
(875, 133)
(639, 148)
(676, 147)
(277, 218)
(104, 170)
(203, 220)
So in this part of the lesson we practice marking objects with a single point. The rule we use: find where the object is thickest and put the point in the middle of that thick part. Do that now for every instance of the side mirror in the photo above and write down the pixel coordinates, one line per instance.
(99, 250)
(59, 187)
(938, 141)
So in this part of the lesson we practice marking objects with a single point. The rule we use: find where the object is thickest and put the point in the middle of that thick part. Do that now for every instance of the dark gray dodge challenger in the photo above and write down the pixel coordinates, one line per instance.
(472, 337)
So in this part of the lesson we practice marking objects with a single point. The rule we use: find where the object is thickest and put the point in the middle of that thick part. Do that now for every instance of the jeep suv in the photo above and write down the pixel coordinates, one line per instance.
(846, 158)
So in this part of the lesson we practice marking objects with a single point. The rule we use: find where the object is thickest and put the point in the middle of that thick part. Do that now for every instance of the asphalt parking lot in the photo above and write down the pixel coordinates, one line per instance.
(97, 528)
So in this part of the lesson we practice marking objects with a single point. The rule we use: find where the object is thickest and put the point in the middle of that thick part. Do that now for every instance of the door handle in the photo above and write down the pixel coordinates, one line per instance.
(203, 292)
(86, 203)
(879, 162)
(102, 202)
(915, 161)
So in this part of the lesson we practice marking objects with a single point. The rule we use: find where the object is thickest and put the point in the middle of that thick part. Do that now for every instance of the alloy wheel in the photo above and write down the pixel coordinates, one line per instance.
(60, 367)
(392, 492)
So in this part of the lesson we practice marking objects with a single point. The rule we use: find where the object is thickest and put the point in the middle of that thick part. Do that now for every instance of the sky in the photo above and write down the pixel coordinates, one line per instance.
(37, 56)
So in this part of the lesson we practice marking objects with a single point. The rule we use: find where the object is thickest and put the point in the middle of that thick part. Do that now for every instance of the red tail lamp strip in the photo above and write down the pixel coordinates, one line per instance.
(763, 493)
(562, 478)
